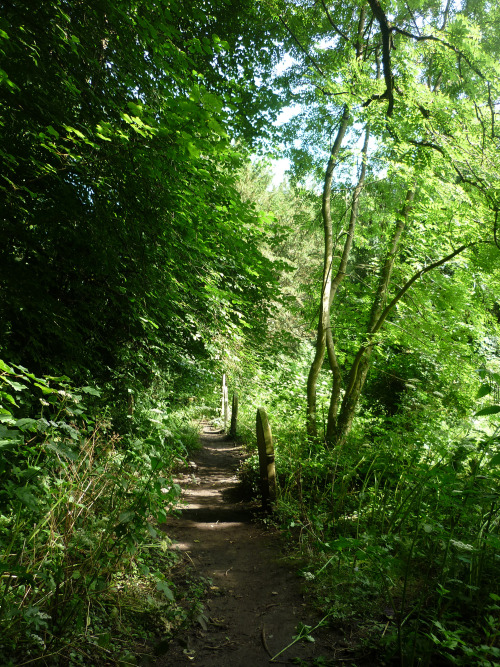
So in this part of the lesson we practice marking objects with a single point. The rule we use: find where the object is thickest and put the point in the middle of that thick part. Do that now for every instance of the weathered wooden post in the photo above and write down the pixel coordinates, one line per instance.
(266, 459)
(234, 416)
(225, 401)
(130, 402)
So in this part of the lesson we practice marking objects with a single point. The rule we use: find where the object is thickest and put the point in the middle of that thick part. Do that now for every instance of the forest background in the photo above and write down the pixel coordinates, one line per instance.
(144, 253)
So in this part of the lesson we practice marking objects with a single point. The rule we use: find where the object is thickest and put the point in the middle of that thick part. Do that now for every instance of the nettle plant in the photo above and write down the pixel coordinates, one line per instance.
(77, 505)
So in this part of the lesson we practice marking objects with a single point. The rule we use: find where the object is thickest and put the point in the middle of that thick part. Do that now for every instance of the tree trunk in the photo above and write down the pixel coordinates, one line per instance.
(330, 284)
(324, 314)
(340, 429)
(332, 357)
(362, 361)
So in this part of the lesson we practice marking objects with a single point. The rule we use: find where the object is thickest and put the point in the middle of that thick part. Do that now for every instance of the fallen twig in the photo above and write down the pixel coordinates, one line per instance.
(264, 642)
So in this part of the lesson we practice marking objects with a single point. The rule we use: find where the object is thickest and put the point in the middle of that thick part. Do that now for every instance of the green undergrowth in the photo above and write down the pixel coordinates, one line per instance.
(403, 549)
(397, 534)
(86, 572)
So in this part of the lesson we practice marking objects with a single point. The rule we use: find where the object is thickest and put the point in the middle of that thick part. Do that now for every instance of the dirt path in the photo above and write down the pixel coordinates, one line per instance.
(257, 602)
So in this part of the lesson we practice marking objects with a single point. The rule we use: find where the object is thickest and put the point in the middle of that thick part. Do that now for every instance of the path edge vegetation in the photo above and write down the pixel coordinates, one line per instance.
(145, 254)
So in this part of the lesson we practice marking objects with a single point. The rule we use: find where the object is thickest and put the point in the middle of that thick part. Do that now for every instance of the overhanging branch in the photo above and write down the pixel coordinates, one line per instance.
(333, 24)
(385, 30)
(302, 48)
(413, 279)
(433, 38)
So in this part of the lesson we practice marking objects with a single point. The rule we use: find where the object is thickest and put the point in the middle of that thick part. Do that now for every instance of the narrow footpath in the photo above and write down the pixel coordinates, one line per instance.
(257, 602)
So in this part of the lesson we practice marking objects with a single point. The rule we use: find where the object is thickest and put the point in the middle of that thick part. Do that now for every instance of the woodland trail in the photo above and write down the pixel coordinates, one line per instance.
(255, 602)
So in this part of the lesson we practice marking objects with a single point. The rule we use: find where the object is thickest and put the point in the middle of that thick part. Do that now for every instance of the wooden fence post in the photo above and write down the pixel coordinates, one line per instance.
(225, 401)
(130, 402)
(266, 459)
(234, 416)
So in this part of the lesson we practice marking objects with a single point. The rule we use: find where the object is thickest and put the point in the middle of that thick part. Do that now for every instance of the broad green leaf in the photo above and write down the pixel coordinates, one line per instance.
(7, 397)
(17, 386)
(484, 390)
(11, 443)
(163, 587)
(27, 424)
(495, 460)
(4, 367)
(490, 410)
(90, 390)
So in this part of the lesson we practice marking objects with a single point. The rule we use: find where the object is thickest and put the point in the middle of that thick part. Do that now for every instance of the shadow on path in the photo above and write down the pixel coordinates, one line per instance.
(257, 601)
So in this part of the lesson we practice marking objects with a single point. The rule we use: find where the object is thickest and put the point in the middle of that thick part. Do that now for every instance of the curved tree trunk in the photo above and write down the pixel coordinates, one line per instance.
(362, 361)
(324, 314)
(330, 285)
(336, 281)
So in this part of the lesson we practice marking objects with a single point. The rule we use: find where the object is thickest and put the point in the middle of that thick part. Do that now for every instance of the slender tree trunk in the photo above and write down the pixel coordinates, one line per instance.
(324, 314)
(336, 281)
(379, 313)
(362, 361)
(330, 285)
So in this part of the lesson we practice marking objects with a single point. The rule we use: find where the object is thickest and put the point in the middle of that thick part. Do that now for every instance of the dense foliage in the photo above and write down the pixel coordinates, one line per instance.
(127, 257)
(397, 112)
(119, 216)
(144, 253)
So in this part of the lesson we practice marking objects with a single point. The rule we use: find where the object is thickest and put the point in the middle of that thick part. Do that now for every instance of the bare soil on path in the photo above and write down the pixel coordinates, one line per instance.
(256, 600)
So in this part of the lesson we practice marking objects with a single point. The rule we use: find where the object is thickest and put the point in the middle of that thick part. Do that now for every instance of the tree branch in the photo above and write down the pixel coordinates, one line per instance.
(302, 48)
(360, 355)
(433, 38)
(335, 282)
(385, 30)
(412, 280)
(334, 26)
(324, 314)
(445, 17)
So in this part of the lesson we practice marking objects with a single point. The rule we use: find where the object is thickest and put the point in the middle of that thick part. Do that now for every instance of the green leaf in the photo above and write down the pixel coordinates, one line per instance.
(484, 390)
(53, 132)
(495, 460)
(17, 386)
(10, 443)
(146, 321)
(161, 516)
(8, 398)
(490, 410)
(155, 463)
(136, 109)
(45, 388)
(6, 417)
(162, 586)
(26, 424)
(5, 368)
(90, 390)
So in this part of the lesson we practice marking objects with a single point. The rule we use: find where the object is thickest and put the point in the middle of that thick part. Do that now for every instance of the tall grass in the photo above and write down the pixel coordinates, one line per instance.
(82, 557)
